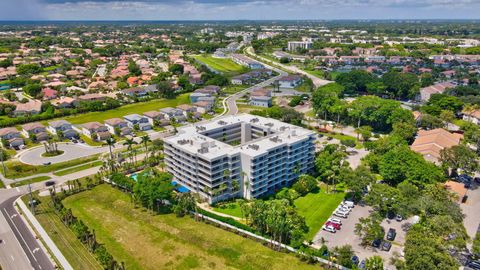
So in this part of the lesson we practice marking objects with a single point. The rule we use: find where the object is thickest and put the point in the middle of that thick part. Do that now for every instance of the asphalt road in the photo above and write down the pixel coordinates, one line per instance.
(24, 251)
(33, 156)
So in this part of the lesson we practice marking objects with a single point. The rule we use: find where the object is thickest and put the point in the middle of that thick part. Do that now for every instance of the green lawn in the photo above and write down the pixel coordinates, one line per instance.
(78, 168)
(30, 181)
(141, 107)
(229, 208)
(221, 64)
(317, 208)
(146, 241)
(316, 73)
(17, 169)
(73, 250)
(232, 89)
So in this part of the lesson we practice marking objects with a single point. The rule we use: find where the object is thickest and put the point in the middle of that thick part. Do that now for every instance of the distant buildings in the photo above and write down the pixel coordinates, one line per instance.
(261, 97)
(217, 159)
(294, 46)
(290, 81)
(246, 61)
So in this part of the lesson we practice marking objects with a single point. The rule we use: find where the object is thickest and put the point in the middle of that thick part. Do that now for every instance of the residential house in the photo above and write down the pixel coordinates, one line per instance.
(117, 126)
(136, 120)
(35, 131)
(173, 114)
(49, 94)
(29, 108)
(91, 97)
(63, 128)
(194, 97)
(156, 118)
(65, 102)
(95, 131)
(187, 109)
(472, 116)
(290, 81)
(261, 97)
(11, 137)
(203, 106)
(438, 88)
(430, 143)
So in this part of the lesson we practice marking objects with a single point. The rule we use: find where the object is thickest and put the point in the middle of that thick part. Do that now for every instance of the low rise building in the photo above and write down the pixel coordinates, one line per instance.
(35, 131)
(430, 143)
(246, 61)
(239, 156)
(62, 128)
(290, 81)
(30, 108)
(156, 118)
(117, 126)
(11, 137)
(136, 120)
(95, 131)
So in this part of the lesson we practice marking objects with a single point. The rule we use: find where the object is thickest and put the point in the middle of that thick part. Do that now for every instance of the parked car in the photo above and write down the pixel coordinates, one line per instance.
(340, 214)
(46, 163)
(335, 220)
(376, 243)
(362, 264)
(334, 225)
(341, 208)
(349, 203)
(386, 246)
(49, 183)
(391, 234)
(329, 229)
(355, 260)
(398, 218)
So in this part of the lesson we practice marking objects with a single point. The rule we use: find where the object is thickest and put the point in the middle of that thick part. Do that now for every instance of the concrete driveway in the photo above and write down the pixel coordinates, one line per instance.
(33, 156)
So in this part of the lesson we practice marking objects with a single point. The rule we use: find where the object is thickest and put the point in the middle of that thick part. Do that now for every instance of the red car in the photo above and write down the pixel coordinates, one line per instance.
(335, 225)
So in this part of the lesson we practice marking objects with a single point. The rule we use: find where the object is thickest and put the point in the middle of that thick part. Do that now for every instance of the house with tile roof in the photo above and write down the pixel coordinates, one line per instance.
(118, 126)
(438, 88)
(430, 143)
(11, 137)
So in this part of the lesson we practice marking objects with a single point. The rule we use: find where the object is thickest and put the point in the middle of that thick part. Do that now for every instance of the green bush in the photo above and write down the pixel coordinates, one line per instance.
(348, 142)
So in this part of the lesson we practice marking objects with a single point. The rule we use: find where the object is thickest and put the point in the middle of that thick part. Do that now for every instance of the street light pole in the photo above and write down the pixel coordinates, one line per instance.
(32, 204)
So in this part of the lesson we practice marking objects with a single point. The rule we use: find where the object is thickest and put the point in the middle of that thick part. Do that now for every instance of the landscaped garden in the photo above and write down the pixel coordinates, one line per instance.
(143, 240)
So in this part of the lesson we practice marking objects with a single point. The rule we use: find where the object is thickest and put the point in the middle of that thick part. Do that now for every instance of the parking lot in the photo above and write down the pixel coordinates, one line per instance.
(346, 236)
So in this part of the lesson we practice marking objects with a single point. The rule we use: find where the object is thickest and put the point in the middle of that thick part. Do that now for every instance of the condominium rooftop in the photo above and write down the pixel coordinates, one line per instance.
(195, 138)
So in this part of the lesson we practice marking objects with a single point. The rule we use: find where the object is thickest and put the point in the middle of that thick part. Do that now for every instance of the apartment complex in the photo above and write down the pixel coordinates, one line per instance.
(295, 45)
(239, 156)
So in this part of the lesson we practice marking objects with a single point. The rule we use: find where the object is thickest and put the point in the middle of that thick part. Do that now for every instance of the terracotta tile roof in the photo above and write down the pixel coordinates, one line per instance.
(31, 126)
(430, 142)
(114, 121)
(8, 130)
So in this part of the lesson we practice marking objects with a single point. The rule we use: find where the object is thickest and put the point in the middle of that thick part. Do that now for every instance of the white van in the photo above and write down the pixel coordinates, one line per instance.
(349, 204)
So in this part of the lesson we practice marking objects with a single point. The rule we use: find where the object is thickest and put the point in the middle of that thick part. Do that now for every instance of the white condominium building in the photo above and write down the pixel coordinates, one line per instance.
(295, 45)
(239, 156)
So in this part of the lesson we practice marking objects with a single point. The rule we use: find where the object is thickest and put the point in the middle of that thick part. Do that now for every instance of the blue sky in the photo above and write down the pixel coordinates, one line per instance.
(237, 9)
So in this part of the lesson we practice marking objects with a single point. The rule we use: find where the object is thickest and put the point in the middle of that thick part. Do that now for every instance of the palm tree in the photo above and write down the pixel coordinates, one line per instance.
(145, 141)
(129, 143)
(111, 143)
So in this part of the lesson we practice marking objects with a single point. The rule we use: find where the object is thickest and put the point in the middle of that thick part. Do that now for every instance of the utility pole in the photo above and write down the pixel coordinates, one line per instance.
(3, 164)
(32, 204)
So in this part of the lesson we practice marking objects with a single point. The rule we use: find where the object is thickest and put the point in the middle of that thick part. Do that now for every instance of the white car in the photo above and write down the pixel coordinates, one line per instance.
(340, 214)
(345, 205)
(329, 229)
(342, 209)
(335, 220)
(349, 203)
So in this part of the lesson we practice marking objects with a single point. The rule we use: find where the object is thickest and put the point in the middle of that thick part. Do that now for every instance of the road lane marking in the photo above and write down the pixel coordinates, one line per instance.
(21, 236)
(13, 259)
(18, 190)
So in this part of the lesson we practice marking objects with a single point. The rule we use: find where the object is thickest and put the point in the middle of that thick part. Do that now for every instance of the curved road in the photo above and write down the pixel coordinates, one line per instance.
(316, 81)
(33, 156)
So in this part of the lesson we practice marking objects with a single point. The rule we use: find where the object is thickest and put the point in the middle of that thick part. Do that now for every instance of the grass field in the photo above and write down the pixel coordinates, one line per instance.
(30, 181)
(78, 168)
(146, 241)
(316, 208)
(221, 64)
(229, 208)
(76, 254)
(17, 169)
(139, 108)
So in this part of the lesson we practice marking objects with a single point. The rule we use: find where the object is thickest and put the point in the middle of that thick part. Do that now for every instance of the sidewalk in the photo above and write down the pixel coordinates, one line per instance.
(43, 234)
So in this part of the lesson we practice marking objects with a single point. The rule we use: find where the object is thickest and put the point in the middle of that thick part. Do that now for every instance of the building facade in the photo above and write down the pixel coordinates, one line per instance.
(239, 156)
